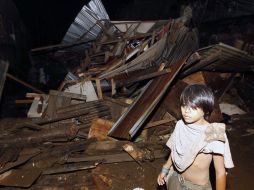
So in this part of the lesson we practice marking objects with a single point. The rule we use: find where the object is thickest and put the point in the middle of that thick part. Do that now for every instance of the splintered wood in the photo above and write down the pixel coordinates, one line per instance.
(99, 129)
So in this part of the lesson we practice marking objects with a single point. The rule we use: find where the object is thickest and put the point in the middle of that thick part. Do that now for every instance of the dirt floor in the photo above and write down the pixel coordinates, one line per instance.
(241, 138)
(131, 175)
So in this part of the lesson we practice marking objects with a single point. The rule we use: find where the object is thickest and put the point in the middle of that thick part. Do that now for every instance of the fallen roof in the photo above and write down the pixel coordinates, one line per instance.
(231, 59)
(86, 26)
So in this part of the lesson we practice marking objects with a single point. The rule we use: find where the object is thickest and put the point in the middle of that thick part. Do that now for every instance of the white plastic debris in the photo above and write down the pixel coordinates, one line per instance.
(84, 88)
(230, 109)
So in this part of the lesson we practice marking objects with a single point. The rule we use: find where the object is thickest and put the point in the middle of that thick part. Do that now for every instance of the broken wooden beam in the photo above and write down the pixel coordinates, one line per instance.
(24, 101)
(160, 122)
(144, 77)
(3, 71)
(138, 154)
(62, 117)
(63, 133)
(130, 122)
(24, 83)
(71, 167)
(116, 101)
(111, 158)
(19, 177)
(86, 105)
(68, 95)
(90, 111)
(23, 158)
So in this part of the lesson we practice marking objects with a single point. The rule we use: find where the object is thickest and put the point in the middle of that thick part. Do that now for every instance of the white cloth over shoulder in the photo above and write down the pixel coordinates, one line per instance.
(188, 140)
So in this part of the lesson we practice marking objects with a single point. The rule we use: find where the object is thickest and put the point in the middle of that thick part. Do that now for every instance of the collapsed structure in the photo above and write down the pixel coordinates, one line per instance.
(126, 89)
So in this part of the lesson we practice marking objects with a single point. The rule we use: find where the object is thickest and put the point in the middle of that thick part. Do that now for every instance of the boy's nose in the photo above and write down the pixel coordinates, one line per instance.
(187, 110)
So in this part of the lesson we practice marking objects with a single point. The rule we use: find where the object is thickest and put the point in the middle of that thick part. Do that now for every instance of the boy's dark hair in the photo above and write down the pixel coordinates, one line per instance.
(198, 96)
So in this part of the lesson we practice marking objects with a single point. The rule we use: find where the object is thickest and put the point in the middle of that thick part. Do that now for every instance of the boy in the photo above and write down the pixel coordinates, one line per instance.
(195, 143)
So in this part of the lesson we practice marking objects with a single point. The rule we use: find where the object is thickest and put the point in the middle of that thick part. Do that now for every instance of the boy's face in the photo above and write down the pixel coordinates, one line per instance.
(192, 115)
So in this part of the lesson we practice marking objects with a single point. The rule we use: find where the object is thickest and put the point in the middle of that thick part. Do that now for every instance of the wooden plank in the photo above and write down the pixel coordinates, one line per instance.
(113, 87)
(21, 160)
(145, 77)
(129, 123)
(8, 155)
(160, 122)
(3, 70)
(68, 95)
(63, 133)
(33, 95)
(86, 105)
(69, 168)
(54, 103)
(116, 101)
(79, 42)
(62, 117)
(24, 83)
(98, 87)
(136, 153)
(111, 158)
(19, 177)
(23, 101)
(104, 147)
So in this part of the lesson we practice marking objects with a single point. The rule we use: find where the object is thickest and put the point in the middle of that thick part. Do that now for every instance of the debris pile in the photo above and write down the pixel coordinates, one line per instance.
(119, 105)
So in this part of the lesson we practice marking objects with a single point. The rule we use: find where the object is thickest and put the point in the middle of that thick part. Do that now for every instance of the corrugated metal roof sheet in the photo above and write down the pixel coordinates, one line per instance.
(85, 25)
(231, 58)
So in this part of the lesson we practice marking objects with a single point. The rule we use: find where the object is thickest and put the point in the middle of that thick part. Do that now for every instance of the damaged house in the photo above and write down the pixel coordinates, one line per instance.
(99, 105)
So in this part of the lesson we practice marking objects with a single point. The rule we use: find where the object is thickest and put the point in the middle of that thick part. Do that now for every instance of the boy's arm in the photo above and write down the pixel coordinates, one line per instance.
(220, 172)
(162, 176)
(168, 164)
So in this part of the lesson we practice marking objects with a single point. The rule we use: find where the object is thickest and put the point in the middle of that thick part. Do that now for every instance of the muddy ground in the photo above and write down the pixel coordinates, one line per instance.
(130, 175)
(241, 141)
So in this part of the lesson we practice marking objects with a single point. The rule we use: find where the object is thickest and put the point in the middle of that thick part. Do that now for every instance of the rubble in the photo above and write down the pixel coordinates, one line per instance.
(125, 89)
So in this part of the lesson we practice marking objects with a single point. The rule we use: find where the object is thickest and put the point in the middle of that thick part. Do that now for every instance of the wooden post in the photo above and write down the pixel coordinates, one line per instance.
(3, 70)
(113, 87)
(98, 87)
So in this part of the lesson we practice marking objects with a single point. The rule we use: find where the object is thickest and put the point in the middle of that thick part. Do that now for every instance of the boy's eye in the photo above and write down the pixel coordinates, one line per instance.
(189, 108)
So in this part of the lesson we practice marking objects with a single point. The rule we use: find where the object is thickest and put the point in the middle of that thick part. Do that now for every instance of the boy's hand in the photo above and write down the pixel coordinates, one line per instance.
(161, 179)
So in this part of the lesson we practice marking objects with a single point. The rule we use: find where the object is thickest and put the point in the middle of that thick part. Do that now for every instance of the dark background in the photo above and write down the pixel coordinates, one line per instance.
(48, 20)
